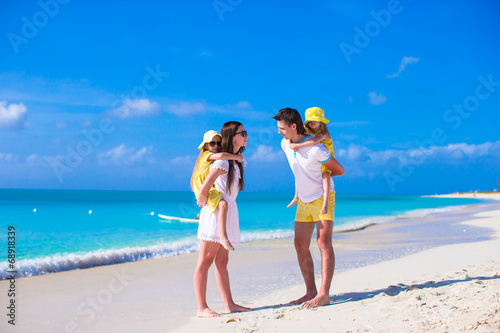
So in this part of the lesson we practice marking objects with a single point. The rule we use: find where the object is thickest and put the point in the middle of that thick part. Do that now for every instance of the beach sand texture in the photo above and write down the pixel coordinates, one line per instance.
(405, 288)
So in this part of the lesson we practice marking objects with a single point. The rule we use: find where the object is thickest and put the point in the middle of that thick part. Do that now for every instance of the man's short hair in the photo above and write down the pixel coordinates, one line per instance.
(291, 116)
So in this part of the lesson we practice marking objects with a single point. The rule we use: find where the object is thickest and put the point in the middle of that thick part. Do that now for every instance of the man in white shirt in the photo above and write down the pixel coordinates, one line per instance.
(306, 167)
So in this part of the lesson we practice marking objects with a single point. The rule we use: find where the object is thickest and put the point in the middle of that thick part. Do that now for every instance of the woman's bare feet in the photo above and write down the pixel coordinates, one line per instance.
(207, 312)
(237, 308)
(319, 300)
(226, 244)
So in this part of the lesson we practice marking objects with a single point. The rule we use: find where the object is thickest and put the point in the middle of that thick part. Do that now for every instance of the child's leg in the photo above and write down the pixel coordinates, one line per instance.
(223, 208)
(326, 191)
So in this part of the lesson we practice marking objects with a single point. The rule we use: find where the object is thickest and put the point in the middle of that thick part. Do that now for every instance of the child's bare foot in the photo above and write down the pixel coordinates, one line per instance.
(227, 244)
(237, 308)
(207, 312)
(293, 202)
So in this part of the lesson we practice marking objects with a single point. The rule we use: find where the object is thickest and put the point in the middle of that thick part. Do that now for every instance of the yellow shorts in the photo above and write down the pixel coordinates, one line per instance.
(311, 211)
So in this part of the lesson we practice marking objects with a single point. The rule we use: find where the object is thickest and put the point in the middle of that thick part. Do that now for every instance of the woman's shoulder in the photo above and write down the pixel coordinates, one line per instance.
(220, 164)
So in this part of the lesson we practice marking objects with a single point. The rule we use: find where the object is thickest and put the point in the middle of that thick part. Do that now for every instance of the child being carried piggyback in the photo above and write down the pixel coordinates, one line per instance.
(210, 148)
(315, 125)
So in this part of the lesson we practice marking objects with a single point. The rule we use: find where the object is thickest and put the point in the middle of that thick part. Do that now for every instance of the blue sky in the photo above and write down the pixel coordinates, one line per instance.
(116, 95)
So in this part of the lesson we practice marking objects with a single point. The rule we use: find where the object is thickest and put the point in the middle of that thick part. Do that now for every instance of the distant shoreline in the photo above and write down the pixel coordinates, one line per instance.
(475, 195)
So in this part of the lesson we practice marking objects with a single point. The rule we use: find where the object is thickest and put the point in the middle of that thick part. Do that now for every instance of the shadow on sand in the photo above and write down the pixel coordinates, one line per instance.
(395, 290)
(392, 290)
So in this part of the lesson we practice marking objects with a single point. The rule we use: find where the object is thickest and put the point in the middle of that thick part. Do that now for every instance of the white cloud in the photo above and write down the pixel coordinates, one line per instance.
(376, 99)
(123, 155)
(460, 151)
(7, 157)
(61, 125)
(136, 108)
(404, 62)
(184, 160)
(444, 154)
(187, 108)
(353, 123)
(86, 124)
(49, 91)
(243, 105)
(12, 115)
(30, 160)
(243, 109)
(267, 154)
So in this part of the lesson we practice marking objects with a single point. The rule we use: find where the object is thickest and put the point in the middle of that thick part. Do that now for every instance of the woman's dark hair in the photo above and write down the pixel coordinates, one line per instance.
(291, 116)
(227, 131)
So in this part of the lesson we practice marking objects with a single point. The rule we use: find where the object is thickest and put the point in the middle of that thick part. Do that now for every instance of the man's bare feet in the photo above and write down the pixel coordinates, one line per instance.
(317, 302)
(305, 298)
(207, 312)
(226, 244)
(237, 308)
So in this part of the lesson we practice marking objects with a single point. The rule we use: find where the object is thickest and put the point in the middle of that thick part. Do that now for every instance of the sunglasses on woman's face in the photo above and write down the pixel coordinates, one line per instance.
(243, 133)
(213, 143)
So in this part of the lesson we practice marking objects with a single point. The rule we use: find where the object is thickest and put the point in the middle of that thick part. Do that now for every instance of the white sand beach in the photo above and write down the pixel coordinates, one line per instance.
(415, 280)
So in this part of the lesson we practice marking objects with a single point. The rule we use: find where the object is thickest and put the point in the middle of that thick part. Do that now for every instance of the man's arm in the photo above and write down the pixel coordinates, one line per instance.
(335, 166)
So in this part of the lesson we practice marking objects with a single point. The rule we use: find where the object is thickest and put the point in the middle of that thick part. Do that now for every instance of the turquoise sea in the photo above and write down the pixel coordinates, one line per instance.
(58, 230)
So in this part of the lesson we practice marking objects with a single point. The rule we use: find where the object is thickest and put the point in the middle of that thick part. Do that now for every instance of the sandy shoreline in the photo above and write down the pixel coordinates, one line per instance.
(157, 295)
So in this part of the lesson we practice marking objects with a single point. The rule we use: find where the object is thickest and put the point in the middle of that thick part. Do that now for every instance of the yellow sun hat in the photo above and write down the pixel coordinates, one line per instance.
(207, 137)
(316, 114)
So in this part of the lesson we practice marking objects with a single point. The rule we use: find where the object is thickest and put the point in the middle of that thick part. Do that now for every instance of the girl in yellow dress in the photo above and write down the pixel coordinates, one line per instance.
(210, 148)
(315, 125)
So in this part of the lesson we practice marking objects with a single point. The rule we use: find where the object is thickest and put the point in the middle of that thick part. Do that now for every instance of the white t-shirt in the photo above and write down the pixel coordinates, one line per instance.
(306, 167)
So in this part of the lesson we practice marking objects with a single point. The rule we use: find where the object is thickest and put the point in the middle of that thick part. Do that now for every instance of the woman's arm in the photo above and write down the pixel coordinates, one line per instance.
(207, 184)
(226, 156)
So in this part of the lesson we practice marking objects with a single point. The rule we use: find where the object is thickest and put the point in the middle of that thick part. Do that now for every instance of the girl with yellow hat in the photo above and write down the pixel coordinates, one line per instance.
(316, 126)
(210, 148)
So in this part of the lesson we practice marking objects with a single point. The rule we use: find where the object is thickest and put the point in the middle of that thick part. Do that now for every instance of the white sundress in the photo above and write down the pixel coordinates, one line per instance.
(208, 229)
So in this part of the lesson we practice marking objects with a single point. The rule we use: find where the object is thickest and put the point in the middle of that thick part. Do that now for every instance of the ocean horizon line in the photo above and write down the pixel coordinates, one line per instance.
(245, 191)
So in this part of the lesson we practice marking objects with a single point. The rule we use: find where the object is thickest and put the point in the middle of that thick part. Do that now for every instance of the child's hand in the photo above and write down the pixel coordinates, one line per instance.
(293, 202)
(239, 158)
(294, 147)
(202, 200)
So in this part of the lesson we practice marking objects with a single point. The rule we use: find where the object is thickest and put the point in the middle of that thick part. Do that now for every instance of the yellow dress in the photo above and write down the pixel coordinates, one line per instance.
(199, 178)
(329, 146)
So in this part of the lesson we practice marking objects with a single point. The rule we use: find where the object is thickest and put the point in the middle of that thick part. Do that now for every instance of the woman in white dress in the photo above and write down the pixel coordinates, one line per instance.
(227, 177)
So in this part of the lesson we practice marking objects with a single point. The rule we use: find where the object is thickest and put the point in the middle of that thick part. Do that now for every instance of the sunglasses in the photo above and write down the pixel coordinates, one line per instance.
(213, 143)
(243, 133)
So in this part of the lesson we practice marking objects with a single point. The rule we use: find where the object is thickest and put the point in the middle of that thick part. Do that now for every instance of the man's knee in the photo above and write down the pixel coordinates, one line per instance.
(325, 244)
(301, 246)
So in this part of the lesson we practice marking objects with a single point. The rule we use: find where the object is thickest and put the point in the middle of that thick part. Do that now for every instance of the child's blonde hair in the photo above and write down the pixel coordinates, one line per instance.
(197, 165)
(322, 127)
